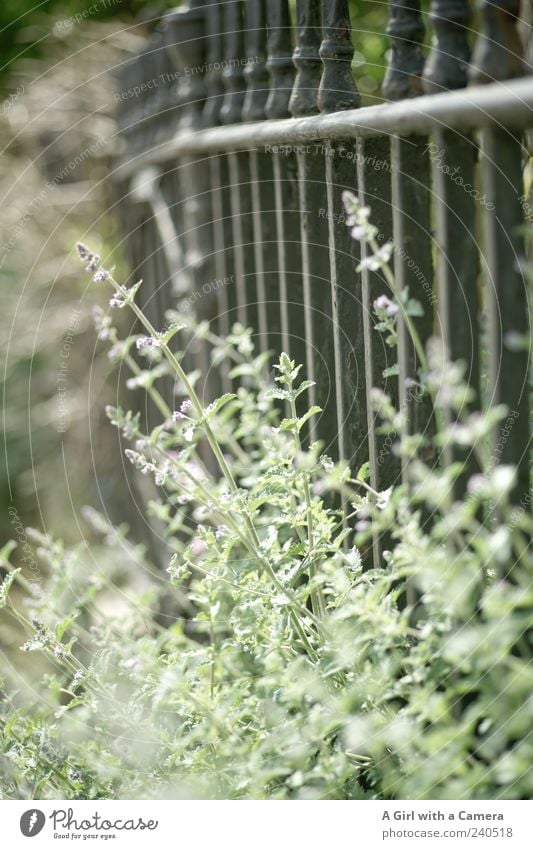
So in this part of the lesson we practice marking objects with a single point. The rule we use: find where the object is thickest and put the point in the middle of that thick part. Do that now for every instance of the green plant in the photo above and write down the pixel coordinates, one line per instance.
(294, 670)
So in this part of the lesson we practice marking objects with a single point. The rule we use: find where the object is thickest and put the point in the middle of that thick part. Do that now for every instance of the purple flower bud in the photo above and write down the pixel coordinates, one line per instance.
(83, 251)
(146, 342)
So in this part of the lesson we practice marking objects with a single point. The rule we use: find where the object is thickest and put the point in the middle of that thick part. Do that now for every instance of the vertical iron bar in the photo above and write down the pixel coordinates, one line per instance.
(374, 182)
(413, 269)
(241, 209)
(338, 91)
(320, 361)
(507, 297)
(284, 166)
(347, 309)
(227, 236)
(217, 207)
(289, 255)
(266, 261)
(454, 155)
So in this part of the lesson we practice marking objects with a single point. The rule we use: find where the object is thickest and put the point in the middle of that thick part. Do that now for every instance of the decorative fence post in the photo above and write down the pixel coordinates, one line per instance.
(447, 64)
(279, 62)
(338, 90)
(255, 72)
(406, 33)
(306, 58)
(214, 54)
(285, 173)
(498, 51)
(263, 221)
(232, 75)
(187, 42)
(318, 324)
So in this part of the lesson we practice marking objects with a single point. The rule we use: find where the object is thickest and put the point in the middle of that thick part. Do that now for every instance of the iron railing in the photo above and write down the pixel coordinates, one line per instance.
(240, 134)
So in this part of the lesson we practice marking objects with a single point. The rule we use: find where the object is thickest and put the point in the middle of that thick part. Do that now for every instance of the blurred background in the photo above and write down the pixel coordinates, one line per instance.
(58, 137)
(58, 141)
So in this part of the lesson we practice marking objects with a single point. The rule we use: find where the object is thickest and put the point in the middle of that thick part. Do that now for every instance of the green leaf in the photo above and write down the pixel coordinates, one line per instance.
(5, 586)
(171, 331)
(312, 411)
(414, 308)
(391, 371)
(62, 627)
(364, 472)
(218, 404)
(306, 384)
(289, 424)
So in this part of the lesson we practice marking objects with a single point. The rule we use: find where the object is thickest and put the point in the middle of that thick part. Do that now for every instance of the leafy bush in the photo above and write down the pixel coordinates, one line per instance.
(290, 668)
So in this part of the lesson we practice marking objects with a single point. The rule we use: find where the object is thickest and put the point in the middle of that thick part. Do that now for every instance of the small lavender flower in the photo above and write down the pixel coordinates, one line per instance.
(100, 276)
(93, 263)
(177, 416)
(378, 259)
(83, 252)
(357, 218)
(147, 342)
(221, 532)
(186, 406)
(93, 260)
(385, 304)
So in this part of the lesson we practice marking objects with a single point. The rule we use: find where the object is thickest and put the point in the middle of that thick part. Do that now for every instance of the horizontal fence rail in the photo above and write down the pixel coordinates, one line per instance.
(241, 132)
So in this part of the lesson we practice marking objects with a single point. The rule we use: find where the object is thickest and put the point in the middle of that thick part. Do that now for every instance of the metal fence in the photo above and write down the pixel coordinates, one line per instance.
(240, 132)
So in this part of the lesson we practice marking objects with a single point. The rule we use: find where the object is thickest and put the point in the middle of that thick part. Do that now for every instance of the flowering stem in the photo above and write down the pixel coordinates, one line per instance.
(391, 280)
(253, 543)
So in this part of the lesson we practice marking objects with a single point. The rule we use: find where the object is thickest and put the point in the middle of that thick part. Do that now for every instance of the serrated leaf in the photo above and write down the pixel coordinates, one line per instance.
(306, 384)
(312, 411)
(289, 424)
(171, 331)
(218, 404)
(280, 394)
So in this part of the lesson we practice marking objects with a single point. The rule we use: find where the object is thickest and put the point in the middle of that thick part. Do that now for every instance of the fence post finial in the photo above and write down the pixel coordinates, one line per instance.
(498, 50)
(213, 76)
(306, 58)
(232, 75)
(337, 89)
(184, 33)
(406, 34)
(255, 72)
(447, 64)
(279, 62)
